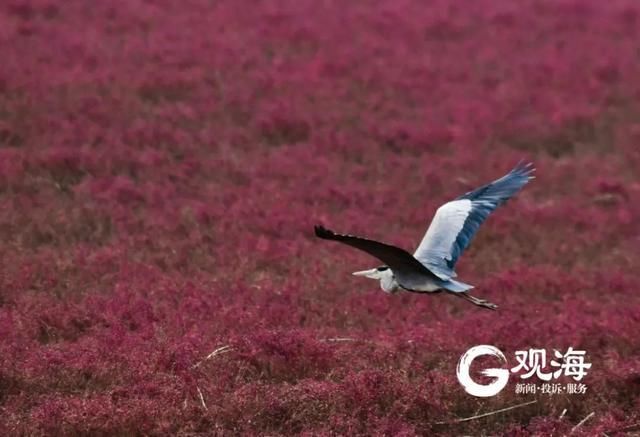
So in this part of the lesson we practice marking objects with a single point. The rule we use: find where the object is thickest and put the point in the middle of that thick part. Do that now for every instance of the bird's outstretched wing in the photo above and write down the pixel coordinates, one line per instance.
(398, 260)
(456, 223)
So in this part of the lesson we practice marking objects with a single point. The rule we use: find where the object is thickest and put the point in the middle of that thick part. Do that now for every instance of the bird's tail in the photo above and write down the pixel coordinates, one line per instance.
(455, 286)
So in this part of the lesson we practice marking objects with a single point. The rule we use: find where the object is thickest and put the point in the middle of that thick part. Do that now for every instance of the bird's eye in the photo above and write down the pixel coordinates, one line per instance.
(382, 269)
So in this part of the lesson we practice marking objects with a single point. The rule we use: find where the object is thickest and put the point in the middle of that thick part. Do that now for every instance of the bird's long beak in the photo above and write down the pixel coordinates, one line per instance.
(367, 273)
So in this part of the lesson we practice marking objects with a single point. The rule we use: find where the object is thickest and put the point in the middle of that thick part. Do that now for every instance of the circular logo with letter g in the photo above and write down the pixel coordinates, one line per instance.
(473, 388)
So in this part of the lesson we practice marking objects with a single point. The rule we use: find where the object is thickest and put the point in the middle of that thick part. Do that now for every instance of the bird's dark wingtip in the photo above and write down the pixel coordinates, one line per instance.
(524, 170)
(322, 232)
(524, 167)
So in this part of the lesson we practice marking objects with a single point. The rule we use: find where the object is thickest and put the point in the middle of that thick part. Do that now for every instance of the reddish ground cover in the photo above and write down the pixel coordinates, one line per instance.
(162, 165)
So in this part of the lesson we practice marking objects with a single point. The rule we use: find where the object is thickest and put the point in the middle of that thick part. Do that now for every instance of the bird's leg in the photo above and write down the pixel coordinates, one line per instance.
(480, 302)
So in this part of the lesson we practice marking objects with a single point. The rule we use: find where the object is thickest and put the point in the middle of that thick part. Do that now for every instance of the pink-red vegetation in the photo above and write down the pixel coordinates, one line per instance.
(162, 164)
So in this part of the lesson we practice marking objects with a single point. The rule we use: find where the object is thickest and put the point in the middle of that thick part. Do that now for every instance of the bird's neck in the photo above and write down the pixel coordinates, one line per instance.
(388, 282)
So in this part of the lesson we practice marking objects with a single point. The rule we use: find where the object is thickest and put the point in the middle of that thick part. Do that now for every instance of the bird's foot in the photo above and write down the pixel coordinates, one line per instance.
(480, 302)
(487, 304)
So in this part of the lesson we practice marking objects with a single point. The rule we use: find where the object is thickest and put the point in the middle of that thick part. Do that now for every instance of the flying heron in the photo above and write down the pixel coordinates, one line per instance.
(431, 268)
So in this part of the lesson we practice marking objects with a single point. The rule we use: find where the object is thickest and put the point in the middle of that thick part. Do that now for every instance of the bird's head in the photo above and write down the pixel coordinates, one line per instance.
(377, 273)
(384, 275)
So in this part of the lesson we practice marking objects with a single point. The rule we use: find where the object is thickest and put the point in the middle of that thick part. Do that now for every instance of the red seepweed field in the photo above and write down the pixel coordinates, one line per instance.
(162, 165)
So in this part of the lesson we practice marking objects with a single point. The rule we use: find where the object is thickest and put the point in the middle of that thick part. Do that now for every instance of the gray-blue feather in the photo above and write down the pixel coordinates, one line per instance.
(484, 201)
(456, 223)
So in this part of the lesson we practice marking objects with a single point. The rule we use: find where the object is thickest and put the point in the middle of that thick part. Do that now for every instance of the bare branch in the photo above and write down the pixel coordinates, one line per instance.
(466, 419)
(344, 339)
(220, 350)
(204, 405)
(589, 416)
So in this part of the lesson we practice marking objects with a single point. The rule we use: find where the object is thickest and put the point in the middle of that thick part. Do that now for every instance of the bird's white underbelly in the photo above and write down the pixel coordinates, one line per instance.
(424, 285)
(428, 287)
(421, 285)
